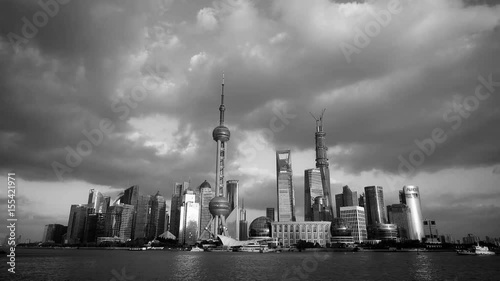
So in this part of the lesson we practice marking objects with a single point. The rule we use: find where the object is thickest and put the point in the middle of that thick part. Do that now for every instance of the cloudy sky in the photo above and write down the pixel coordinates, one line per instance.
(107, 94)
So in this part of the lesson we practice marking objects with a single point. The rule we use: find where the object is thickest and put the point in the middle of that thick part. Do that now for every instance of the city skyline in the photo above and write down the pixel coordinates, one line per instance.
(137, 98)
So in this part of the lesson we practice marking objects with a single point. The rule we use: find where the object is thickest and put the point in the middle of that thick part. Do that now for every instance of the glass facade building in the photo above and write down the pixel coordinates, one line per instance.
(400, 215)
(175, 207)
(410, 196)
(76, 223)
(430, 231)
(312, 188)
(53, 233)
(286, 197)
(345, 199)
(374, 205)
(260, 227)
(206, 194)
(354, 216)
(156, 225)
(189, 219)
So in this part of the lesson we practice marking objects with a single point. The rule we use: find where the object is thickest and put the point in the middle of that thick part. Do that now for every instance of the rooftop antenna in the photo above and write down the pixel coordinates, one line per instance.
(319, 120)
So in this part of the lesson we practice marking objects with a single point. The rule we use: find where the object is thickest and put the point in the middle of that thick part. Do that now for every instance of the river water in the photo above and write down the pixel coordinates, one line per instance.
(122, 265)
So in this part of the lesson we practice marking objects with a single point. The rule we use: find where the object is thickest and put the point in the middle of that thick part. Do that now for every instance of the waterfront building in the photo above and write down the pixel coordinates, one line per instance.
(243, 223)
(270, 213)
(119, 220)
(233, 219)
(142, 216)
(431, 232)
(76, 223)
(354, 216)
(410, 196)
(260, 228)
(206, 194)
(289, 233)
(323, 166)
(286, 197)
(374, 205)
(382, 231)
(345, 199)
(175, 207)
(53, 233)
(189, 219)
(341, 232)
(156, 225)
(400, 215)
(313, 188)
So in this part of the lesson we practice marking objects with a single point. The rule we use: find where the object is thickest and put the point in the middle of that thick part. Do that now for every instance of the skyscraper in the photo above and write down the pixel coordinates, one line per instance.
(156, 225)
(270, 213)
(355, 217)
(431, 232)
(400, 215)
(411, 197)
(243, 223)
(313, 188)
(96, 201)
(322, 164)
(206, 195)
(118, 221)
(286, 197)
(233, 219)
(142, 216)
(175, 207)
(76, 223)
(345, 199)
(189, 219)
(374, 205)
(130, 195)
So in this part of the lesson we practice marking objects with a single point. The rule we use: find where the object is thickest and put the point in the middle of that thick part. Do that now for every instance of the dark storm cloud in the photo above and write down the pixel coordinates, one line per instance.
(285, 57)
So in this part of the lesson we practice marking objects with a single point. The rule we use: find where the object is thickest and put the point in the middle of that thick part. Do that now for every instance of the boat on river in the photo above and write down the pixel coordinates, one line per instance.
(476, 251)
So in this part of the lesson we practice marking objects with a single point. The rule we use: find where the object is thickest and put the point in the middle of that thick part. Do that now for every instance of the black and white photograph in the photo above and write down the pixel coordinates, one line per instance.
(249, 140)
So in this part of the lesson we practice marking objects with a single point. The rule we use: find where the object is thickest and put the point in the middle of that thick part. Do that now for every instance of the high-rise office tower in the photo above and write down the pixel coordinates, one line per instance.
(355, 218)
(130, 195)
(142, 216)
(431, 232)
(118, 221)
(233, 219)
(286, 196)
(345, 199)
(175, 207)
(400, 215)
(322, 165)
(189, 219)
(96, 201)
(243, 223)
(361, 201)
(374, 205)
(270, 213)
(156, 225)
(313, 188)
(219, 205)
(76, 223)
(206, 194)
(411, 197)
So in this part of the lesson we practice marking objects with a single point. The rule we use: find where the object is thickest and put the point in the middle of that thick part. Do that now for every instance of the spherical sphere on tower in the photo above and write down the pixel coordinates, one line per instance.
(221, 133)
(219, 206)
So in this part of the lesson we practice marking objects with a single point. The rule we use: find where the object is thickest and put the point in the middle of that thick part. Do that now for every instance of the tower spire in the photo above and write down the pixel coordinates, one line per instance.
(222, 108)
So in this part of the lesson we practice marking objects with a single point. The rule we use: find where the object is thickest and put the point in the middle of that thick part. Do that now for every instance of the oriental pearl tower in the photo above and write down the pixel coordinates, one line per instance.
(219, 206)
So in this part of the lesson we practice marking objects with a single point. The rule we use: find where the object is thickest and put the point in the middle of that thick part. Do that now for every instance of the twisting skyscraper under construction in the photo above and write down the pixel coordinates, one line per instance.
(322, 165)
(219, 205)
